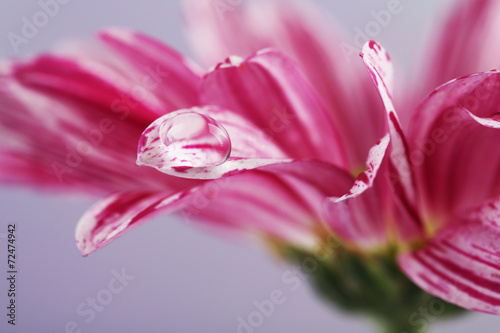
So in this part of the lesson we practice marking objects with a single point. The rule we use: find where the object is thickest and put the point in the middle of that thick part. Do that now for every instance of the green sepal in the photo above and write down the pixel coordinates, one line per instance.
(371, 284)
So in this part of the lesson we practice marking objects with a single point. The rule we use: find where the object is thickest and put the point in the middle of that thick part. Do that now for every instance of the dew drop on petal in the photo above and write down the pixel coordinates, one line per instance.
(195, 140)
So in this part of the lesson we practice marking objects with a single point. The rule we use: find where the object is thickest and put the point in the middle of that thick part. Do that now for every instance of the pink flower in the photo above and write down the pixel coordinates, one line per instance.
(291, 143)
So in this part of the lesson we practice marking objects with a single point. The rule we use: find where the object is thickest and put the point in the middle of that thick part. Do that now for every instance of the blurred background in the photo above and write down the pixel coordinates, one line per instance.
(180, 278)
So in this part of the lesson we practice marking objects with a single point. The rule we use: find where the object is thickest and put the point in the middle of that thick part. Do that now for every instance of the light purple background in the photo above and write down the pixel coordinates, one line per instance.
(186, 280)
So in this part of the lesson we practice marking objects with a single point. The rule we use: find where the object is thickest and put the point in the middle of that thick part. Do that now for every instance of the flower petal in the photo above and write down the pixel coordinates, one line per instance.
(303, 33)
(454, 152)
(273, 197)
(460, 265)
(118, 213)
(89, 80)
(236, 140)
(473, 47)
(371, 214)
(281, 200)
(359, 221)
(60, 128)
(366, 178)
(269, 91)
(378, 63)
(157, 67)
(146, 75)
(357, 216)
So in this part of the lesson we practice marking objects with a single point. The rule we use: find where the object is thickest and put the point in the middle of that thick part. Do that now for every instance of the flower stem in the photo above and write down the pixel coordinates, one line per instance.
(374, 286)
(401, 327)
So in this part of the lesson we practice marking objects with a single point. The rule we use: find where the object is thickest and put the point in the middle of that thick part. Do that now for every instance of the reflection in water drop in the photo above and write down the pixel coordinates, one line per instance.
(195, 140)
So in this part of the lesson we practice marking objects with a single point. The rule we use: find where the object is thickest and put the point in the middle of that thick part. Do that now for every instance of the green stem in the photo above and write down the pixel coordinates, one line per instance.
(371, 285)
(400, 327)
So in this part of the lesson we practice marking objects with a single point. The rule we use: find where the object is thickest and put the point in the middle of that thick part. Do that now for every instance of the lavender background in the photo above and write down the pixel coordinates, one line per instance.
(185, 279)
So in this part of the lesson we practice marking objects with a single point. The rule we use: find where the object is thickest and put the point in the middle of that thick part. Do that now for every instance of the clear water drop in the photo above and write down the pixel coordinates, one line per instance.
(195, 140)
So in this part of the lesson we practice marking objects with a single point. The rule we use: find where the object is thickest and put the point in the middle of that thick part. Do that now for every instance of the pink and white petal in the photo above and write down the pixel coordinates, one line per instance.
(217, 29)
(453, 146)
(284, 201)
(55, 138)
(268, 201)
(323, 181)
(373, 218)
(474, 47)
(303, 33)
(379, 66)
(487, 212)
(269, 91)
(460, 265)
(357, 217)
(207, 143)
(359, 222)
(118, 213)
(128, 81)
(366, 179)
(69, 120)
(156, 68)
(371, 215)
(87, 80)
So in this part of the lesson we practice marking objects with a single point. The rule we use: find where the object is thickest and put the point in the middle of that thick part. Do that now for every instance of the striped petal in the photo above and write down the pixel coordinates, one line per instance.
(273, 197)
(118, 213)
(366, 179)
(303, 33)
(454, 148)
(205, 143)
(74, 123)
(269, 91)
(379, 207)
(474, 47)
(379, 66)
(146, 75)
(371, 215)
(460, 265)
(163, 73)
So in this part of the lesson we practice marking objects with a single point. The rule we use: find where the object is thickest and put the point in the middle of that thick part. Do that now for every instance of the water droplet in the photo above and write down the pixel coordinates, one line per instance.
(195, 140)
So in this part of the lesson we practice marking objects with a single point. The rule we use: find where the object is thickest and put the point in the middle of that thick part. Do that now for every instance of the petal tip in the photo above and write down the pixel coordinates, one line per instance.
(113, 31)
(83, 248)
(87, 248)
